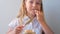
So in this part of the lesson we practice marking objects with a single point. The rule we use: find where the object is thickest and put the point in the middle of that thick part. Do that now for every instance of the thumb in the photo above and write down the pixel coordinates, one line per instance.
(36, 12)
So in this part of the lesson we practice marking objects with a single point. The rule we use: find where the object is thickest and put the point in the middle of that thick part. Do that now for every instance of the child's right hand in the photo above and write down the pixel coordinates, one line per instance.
(18, 29)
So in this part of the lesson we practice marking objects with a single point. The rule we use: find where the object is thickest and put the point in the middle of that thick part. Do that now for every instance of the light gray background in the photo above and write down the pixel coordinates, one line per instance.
(9, 10)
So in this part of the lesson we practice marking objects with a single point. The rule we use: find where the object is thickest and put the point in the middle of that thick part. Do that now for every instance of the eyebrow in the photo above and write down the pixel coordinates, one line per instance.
(38, 0)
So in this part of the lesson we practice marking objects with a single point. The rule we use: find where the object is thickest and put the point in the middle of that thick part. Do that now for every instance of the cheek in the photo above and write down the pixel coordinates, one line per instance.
(39, 7)
(28, 7)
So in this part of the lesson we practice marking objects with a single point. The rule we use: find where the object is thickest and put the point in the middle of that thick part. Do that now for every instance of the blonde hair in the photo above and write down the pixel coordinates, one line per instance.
(22, 11)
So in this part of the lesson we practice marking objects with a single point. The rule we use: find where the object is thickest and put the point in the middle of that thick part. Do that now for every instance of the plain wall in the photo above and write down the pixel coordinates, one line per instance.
(9, 10)
(52, 14)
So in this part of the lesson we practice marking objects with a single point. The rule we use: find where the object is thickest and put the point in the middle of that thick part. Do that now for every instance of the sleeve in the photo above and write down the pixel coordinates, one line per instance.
(13, 23)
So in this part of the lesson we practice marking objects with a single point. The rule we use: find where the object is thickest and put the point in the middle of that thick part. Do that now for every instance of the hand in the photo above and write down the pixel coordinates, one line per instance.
(18, 29)
(41, 20)
(39, 15)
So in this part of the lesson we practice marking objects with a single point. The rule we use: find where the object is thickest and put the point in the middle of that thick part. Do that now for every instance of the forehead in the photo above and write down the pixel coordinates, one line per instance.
(35, 0)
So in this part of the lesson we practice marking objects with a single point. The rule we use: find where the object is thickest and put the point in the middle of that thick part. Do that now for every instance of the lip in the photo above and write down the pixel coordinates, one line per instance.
(35, 9)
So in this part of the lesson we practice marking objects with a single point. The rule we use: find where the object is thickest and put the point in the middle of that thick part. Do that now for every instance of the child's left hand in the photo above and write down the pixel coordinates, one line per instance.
(40, 16)
(41, 20)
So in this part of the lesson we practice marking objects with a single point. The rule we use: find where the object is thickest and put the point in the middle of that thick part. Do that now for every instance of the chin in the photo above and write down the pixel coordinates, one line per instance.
(34, 15)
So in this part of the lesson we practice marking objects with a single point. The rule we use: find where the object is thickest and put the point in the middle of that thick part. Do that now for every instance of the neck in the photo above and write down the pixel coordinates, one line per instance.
(30, 16)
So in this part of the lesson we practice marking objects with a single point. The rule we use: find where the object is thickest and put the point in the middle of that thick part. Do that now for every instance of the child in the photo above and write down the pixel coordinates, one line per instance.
(31, 10)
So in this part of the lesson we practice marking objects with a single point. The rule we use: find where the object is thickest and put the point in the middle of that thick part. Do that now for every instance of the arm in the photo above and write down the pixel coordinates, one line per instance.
(41, 20)
(46, 28)
(10, 31)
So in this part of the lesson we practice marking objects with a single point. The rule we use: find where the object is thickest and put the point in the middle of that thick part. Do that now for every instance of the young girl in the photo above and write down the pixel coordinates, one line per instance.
(31, 10)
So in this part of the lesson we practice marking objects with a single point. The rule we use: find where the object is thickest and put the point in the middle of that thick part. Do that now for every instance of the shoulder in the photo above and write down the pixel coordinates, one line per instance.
(13, 23)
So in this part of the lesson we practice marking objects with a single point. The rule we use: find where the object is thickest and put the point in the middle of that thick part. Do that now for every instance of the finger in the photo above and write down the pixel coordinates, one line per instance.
(37, 12)
(20, 26)
(19, 30)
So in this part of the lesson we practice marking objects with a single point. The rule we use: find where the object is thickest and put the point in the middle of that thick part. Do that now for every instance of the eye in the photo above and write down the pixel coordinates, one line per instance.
(38, 3)
(31, 2)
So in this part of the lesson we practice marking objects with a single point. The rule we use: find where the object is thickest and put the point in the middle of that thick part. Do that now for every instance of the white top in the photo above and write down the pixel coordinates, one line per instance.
(34, 25)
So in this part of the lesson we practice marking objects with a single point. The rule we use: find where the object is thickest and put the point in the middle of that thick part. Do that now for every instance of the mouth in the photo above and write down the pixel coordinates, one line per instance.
(33, 10)
(35, 15)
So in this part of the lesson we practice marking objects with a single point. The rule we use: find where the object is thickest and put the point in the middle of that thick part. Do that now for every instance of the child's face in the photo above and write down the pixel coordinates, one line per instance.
(32, 5)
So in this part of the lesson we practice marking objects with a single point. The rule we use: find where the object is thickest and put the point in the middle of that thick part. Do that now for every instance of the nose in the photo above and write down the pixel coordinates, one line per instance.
(34, 4)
